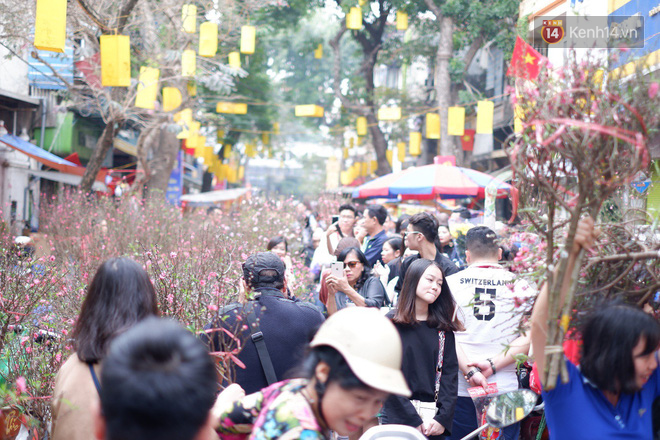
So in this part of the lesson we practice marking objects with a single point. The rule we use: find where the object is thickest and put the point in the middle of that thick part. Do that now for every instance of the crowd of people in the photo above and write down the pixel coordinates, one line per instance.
(406, 322)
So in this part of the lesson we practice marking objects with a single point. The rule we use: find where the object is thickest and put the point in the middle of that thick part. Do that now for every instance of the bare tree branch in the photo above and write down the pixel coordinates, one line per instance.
(472, 51)
(35, 55)
(95, 18)
(124, 14)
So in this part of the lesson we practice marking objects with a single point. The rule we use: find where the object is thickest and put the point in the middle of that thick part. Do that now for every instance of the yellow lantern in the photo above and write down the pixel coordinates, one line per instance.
(198, 149)
(276, 128)
(456, 121)
(250, 151)
(374, 166)
(115, 61)
(517, 118)
(485, 111)
(318, 52)
(351, 142)
(191, 87)
(364, 169)
(401, 21)
(232, 108)
(147, 89)
(208, 39)
(389, 113)
(401, 151)
(188, 63)
(190, 132)
(226, 151)
(171, 99)
(231, 174)
(311, 111)
(355, 170)
(415, 143)
(220, 172)
(389, 155)
(265, 138)
(184, 116)
(344, 153)
(354, 19)
(240, 108)
(194, 127)
(234, 60)
(248, 34)
(207, 151)
(345, 177)
(189, 18)
(432, 126)
(50, 25)
(184, 133)
(241, 172)
(362, 2)
(362, 126)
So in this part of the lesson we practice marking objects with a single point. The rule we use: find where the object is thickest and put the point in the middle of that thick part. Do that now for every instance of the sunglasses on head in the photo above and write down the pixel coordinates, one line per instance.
(351, 264)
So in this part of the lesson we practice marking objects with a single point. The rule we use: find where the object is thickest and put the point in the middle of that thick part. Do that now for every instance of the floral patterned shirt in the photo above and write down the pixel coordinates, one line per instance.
(280, 411)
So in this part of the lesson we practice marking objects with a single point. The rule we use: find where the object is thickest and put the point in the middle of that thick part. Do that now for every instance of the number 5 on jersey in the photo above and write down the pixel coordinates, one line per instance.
(484, 307)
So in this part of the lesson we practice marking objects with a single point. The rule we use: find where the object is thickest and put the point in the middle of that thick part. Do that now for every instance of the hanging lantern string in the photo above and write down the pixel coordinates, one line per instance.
(340, 129)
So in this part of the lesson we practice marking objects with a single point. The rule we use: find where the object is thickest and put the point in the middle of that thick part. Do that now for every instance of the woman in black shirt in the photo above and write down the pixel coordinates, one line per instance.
(423, 318)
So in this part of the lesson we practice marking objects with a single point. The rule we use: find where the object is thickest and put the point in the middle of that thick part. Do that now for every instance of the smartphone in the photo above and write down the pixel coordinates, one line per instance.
(337, 269)
(335, 219)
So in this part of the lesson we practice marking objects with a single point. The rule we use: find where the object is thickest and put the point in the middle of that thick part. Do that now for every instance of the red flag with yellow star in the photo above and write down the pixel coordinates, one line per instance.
(467, 140)
(525, 62)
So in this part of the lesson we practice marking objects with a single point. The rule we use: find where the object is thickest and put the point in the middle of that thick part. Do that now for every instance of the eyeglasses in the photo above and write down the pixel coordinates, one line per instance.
(351, 264)
(405, 234)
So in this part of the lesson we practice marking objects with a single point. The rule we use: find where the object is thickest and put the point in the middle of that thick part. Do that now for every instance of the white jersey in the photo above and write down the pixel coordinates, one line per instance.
(490, 304)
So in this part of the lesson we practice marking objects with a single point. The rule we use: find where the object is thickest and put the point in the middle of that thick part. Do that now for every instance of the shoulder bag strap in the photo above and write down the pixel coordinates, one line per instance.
(97, 384)
(259, 342)
(441, 356)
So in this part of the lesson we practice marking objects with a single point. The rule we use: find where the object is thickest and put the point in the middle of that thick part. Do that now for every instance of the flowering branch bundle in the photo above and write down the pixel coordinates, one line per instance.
(583, 136)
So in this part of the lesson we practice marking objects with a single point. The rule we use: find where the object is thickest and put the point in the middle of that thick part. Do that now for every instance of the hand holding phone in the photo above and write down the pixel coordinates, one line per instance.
(337, 269)
(335, 218)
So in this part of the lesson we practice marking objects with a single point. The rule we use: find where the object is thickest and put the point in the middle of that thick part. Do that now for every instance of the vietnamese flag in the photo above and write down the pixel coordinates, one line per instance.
(467, 140)
(525, 61)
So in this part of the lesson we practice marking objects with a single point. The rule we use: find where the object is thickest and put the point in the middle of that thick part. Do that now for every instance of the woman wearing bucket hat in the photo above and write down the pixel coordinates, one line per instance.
(424, 319)
(353, 365)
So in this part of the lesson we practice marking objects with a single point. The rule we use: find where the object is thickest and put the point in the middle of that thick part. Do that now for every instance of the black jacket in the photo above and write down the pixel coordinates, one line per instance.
(287, 325)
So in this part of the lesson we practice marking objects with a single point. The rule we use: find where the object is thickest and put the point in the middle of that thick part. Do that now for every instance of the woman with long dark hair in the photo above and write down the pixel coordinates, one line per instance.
(356, 287)
(446, 245)
(119, 296)
(424, 317)
(388, 272)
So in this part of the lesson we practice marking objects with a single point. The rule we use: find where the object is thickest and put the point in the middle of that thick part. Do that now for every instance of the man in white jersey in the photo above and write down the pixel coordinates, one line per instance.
(490, 302)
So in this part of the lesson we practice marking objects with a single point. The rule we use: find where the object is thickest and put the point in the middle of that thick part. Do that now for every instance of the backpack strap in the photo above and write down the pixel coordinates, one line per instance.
(259, 342)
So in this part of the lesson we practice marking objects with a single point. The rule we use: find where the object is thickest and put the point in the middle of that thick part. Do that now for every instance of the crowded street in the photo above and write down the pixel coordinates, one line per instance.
(332, 220)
